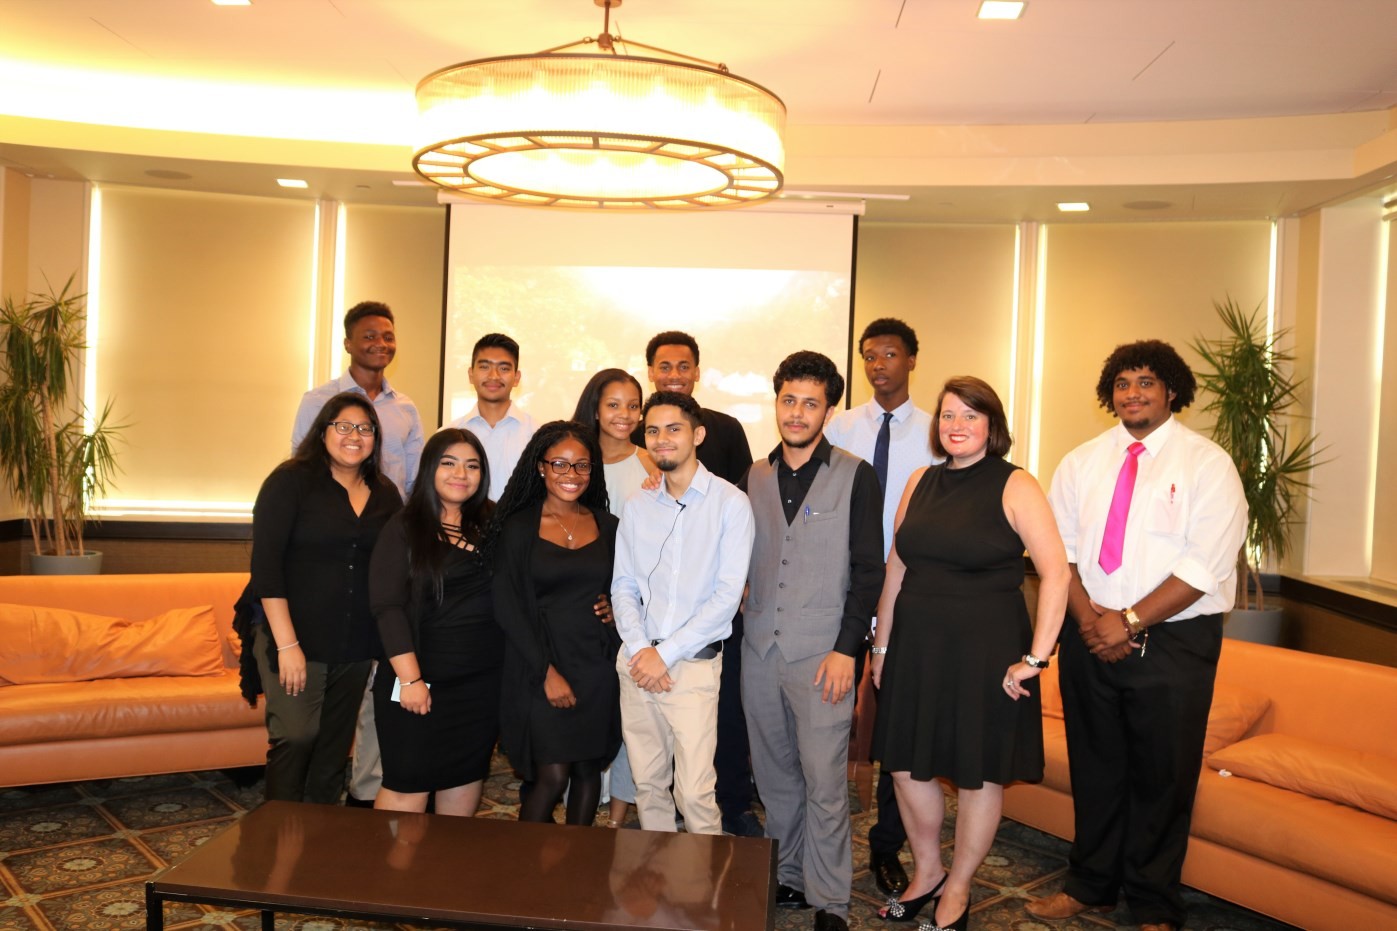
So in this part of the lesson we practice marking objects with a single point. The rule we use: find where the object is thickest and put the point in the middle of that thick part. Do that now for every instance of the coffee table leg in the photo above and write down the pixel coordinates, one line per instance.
(155, 910)
(268, 920)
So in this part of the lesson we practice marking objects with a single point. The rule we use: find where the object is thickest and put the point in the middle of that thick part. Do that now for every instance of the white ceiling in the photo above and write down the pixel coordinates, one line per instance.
(849, 62)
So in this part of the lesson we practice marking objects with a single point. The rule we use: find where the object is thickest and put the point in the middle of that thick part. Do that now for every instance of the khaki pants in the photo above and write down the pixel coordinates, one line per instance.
(673, 734)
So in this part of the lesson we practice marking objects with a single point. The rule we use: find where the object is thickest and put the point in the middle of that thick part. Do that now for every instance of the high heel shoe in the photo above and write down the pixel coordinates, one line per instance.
(904, 912)
(962, 923)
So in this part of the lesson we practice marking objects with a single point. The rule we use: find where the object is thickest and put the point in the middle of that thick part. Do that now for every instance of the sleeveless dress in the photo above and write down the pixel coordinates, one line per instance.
(959, 622)
(459, 652)
(622, 480)
(583, 649)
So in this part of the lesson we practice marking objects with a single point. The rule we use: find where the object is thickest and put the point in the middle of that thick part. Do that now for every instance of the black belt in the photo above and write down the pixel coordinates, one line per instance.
(708, 652)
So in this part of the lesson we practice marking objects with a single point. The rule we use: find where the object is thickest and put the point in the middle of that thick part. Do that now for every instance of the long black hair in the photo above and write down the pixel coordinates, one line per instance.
(526, 487)
(589, 404)
(422, 513)
(311, 453)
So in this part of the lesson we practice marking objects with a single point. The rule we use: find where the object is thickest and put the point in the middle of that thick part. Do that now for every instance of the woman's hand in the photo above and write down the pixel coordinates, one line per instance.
(875, 668)
(1014, 678)
(602, 609)
(557, 690)
(416, 697)
(291, 663)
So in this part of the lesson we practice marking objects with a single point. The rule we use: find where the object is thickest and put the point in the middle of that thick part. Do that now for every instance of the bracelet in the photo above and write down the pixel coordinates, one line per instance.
(1035, 662)
(1133, 622)
(403, 685)
(293, 643)
(877, 651)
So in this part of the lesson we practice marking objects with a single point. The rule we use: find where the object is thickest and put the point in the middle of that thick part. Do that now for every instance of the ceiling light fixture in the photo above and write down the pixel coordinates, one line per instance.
(291, 182)
(1073, 206)
(1001, 9)
(606, 129)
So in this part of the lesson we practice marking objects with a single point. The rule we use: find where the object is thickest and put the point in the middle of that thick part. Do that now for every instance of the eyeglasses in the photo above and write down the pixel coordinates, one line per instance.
(344, 428)
(561, 466)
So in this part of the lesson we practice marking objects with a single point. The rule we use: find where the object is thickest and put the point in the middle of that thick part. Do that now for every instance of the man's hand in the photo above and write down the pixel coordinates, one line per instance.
(1107, 636)
(648, 671)
(557, 690)
(837, 674)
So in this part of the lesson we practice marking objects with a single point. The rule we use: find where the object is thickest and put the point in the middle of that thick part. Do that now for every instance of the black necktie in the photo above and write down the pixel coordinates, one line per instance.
(880, 450)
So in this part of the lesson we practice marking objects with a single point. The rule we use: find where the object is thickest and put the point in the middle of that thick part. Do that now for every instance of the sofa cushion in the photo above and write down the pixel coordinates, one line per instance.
(122, 707)
(1352, 777)
(1343, 845)
(1234, 711)
(39, 645)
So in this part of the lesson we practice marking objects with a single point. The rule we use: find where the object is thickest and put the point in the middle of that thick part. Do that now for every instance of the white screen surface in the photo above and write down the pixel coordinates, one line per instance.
(585, 291)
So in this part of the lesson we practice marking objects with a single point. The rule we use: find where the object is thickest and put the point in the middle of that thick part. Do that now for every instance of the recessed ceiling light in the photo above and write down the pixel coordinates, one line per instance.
(232, 2)
(1074, 206)
(1001, 9)
(291, 182)
(402, 182)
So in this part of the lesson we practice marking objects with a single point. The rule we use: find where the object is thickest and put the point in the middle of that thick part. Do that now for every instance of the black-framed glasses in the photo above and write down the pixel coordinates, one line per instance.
(344, 428)
(561, 466)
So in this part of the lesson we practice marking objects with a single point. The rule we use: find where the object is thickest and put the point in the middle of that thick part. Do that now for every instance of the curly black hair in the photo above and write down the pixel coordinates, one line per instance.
(1157, 356)
(526, 486)
(891, 326)
(670, 338)
(810, 366)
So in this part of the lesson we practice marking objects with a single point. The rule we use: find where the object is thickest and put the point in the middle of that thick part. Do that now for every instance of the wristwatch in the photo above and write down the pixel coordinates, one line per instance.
(877, 651)
(1137, 627)
(1035, 662)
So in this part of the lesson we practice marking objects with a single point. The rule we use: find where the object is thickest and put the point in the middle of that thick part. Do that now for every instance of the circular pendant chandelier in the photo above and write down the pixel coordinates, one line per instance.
(600, 130)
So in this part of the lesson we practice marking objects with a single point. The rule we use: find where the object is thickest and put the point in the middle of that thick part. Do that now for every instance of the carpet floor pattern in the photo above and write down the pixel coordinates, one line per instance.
(75, 857)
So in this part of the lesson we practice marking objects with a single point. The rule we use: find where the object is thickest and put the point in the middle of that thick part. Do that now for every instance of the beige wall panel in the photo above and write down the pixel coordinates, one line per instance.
(204, 316)
(1109, 284)
(57, 232)
(954, 285)
(1385, 499)
(398, 255)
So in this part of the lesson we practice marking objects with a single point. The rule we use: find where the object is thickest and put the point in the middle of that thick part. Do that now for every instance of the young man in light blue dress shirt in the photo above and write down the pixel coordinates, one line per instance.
(371, 343)
(503, 427)
(682, 552)
(888, 347)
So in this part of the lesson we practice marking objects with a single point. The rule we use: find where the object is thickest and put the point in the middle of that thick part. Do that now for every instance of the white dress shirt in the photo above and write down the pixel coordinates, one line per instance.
(1187, 517)
(400, 428)
(681, 566)
(504, 442)
(909, 448)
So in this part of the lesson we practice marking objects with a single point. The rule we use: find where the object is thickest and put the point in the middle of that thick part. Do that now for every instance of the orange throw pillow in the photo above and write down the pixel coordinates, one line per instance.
(1233, 713)
(1351, 777)
(55, 645)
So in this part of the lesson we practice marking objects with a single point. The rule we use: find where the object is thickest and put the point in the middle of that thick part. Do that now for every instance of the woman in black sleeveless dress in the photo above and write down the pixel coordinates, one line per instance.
(560, 720)
(437, 708)
(954, 644)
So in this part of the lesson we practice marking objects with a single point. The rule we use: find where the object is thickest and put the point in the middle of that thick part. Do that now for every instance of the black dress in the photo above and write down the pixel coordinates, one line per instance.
(959, 623)
(459, 648)
(544, 603)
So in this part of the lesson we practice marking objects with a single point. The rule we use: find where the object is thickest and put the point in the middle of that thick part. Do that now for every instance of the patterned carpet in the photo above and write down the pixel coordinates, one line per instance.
(76, 855)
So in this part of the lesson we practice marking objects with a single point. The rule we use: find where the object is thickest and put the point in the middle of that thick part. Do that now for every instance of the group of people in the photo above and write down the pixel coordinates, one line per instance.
(628, 591)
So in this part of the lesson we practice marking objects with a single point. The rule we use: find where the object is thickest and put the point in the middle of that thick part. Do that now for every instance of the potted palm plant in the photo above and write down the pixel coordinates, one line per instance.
(1252, 393)
(50, 461)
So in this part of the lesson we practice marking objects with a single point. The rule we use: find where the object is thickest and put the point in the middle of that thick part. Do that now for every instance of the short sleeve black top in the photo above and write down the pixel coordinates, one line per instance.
(309, 547)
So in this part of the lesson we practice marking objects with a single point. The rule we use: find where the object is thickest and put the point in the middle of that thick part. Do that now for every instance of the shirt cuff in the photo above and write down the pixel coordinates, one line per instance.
(1196, 575)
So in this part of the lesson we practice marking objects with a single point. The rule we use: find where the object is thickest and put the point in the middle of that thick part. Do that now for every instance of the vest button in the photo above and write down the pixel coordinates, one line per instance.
(781, 585)
(785, 562)
(788, 538)
(777, 633)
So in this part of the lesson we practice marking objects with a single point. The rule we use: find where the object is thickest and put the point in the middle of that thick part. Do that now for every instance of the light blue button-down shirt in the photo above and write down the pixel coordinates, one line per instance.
(504, 442)
(400, 428)
(681, 566)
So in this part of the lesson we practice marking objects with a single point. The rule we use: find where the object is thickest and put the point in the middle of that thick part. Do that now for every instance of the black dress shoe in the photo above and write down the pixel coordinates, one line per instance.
(888, 874)
(743, 825)
(790, 897)
(828, 921)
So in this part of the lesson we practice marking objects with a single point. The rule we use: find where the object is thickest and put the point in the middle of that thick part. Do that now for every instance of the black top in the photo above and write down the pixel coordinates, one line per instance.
(724, 451)
(403, 609)
(309, 547)
(865, 536)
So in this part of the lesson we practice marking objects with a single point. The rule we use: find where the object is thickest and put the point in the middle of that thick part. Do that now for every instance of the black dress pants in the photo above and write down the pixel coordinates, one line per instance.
(887, 835)
(1135, 733)
(732, 760)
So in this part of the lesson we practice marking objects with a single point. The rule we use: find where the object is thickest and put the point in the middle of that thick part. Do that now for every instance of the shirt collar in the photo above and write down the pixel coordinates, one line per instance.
(900, 413)
(1154, 442)
(346, 382)
(474, 412)
(823, 452)
(698, 488)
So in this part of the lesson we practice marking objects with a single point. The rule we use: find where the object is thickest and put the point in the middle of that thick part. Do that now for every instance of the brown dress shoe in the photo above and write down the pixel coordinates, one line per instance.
(1060, 905)
(1161, 926)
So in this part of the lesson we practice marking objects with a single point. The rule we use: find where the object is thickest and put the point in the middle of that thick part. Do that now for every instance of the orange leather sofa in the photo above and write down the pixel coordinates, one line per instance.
(134, 725)
(1296, 802)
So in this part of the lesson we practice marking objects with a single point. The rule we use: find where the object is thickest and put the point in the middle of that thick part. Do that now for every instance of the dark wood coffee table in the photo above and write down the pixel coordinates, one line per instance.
(472, 872)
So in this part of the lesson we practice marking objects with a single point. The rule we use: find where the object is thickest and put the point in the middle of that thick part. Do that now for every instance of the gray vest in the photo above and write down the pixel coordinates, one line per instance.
(799, 575)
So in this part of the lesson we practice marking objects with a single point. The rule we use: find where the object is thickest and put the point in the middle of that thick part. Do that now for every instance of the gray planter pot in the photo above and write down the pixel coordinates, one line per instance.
(89, 563)
(1255, 626)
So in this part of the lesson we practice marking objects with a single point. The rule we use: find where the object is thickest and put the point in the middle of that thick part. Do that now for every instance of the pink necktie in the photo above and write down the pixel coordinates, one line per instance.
(1113, 541)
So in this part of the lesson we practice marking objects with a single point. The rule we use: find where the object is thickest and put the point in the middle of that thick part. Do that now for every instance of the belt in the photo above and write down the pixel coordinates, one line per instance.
(708, 652)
